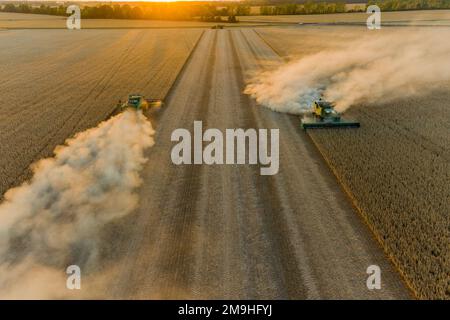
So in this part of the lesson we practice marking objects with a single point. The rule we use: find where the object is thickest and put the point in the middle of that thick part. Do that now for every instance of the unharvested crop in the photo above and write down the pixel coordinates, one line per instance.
(396, 168)
(55, 83)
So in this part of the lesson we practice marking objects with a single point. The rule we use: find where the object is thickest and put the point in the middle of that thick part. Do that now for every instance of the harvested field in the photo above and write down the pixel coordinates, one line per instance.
(396, 167)
(36, 21)
(9, 16)
(54, 85)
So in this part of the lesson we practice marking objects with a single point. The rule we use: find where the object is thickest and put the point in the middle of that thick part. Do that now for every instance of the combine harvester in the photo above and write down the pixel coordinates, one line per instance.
(325, 116)
(138, 102)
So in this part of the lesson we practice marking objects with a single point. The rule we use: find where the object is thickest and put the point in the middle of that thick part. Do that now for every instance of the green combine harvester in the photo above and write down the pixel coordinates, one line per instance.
(325, 116)
(138, 102)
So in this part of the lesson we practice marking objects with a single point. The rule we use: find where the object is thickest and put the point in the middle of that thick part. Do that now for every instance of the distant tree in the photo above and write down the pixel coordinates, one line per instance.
(232, 19)
(265, 11)
(242, 10)
(136, 13)
(9, 7)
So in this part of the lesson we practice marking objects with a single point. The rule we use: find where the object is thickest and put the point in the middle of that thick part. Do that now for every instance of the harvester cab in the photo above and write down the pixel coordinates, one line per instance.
(325, 110)
(325, 116)
(138, 102)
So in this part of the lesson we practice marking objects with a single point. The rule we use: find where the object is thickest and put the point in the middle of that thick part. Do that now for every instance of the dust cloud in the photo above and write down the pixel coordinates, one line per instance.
(379, 67)
(53, 220)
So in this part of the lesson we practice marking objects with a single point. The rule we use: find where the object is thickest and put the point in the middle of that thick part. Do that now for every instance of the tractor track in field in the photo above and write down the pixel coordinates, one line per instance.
(292, 272)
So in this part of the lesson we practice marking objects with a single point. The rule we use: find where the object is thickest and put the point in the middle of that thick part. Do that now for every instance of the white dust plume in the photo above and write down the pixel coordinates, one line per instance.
(377, 68)
(53, 220)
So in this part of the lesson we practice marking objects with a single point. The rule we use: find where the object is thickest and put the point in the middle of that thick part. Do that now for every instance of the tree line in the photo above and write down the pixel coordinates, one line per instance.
(306, 8)
(210, 12)
(310, 7)
(149, 11)
(398, 5)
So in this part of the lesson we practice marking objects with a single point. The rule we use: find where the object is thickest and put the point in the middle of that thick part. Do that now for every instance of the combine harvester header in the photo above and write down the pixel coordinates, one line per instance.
(325, 116)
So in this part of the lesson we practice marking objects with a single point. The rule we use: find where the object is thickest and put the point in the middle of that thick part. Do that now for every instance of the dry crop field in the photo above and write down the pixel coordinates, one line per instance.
(54, 85)
(401, 17)
(34, 21)
(296, 42)
(204, 231)
(396, 167)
